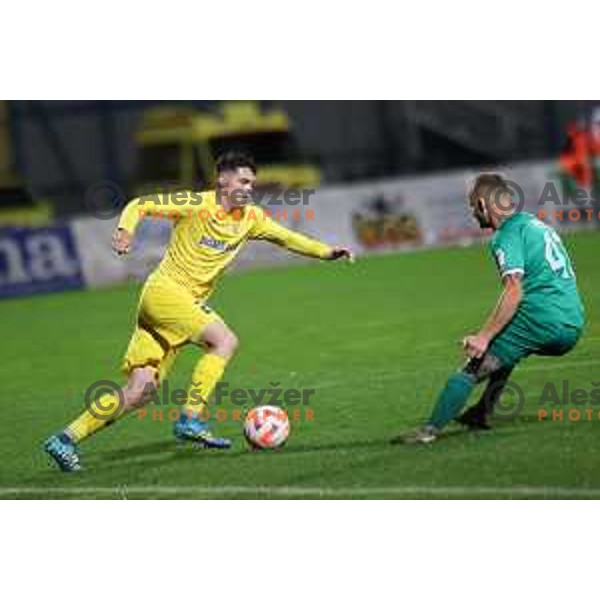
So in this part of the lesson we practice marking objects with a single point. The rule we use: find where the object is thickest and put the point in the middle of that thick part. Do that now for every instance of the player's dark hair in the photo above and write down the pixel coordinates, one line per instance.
(489, 185)
(230, 161)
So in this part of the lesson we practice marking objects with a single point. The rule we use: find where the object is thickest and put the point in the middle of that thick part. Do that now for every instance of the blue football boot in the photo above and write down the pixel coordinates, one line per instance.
(192, 429)
(64, 452)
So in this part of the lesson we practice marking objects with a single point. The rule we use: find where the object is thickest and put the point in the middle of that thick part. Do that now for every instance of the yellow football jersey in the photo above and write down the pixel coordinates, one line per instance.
(206, 239)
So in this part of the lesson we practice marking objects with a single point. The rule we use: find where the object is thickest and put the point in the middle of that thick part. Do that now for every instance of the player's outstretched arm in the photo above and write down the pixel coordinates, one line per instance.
(123, 235)
(267, 229)
(159, 204)
(512, 293)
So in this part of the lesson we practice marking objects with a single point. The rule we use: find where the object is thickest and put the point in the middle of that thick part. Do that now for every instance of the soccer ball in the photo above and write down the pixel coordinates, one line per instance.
(267, 427)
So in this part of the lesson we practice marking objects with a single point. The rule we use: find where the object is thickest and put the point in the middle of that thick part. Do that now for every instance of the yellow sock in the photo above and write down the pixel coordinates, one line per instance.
(207, 373)
(102, 411)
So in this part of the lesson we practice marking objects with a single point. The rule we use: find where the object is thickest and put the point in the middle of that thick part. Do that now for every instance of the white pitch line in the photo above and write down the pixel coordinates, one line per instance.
(320, 492)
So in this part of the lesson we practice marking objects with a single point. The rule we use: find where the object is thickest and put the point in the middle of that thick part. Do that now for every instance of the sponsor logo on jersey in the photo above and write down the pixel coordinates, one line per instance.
(219, 245)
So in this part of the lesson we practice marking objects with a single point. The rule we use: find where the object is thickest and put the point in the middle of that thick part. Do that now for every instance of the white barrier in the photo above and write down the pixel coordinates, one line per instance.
(405, 213)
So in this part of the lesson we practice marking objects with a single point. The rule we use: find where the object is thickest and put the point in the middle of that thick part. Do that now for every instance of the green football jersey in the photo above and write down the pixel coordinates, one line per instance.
(524, 244)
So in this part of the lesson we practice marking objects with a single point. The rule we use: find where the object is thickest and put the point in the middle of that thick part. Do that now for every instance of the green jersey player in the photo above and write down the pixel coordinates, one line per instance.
(539, 311)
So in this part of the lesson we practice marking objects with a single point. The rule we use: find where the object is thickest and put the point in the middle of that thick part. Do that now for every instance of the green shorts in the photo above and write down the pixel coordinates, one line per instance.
(521, 338)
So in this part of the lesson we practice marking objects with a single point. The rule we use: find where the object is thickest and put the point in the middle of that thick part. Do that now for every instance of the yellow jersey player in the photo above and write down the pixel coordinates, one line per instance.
(210, 230)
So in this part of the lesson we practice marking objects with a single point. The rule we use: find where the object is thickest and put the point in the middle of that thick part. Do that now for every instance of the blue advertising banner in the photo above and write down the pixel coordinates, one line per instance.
(38, 260)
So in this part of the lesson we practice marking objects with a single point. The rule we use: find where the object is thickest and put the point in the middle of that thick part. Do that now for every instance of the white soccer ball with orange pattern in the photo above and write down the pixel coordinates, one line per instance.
(267, 427)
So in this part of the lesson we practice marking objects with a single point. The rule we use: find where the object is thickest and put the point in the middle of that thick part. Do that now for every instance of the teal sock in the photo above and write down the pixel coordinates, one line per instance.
(453, 397)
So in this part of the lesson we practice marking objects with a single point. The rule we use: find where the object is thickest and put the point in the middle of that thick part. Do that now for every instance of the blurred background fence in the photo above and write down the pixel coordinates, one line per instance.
(391, 174)
(62, 147)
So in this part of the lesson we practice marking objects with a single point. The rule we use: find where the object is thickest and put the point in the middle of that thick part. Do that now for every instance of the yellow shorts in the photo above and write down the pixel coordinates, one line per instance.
(168, 317)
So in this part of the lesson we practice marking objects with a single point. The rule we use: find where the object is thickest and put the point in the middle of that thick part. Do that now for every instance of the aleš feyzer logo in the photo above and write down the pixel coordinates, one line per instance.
(499, 203)
(104, 200)
(104, 400)
(511, 401)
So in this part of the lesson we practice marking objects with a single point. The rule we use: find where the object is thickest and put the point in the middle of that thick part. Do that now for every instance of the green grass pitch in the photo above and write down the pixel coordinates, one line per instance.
(375, 339)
